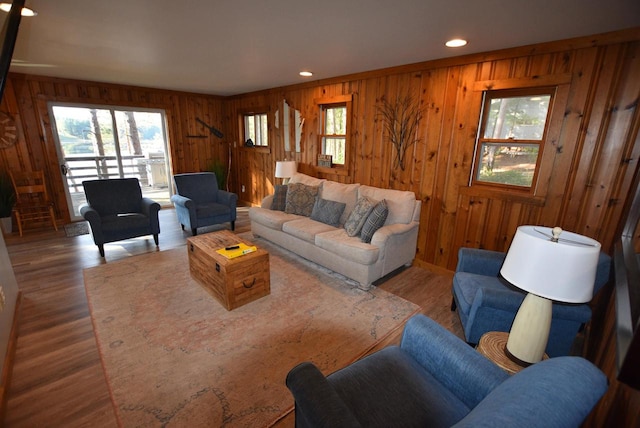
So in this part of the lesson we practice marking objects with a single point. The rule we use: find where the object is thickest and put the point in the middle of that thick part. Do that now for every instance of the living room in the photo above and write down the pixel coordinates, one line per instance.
(582, 184)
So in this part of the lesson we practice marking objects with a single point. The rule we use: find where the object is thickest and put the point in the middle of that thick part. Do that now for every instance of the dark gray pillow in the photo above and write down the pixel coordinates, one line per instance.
(327, 211)
(300, 199)
(374, 221)
(279, 201)
(359, 215)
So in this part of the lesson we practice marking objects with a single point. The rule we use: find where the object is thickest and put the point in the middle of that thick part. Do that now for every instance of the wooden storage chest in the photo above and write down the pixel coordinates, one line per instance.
(233, 282)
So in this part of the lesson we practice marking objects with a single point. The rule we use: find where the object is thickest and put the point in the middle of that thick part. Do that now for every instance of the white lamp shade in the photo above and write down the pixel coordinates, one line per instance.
(285, 169)
(564, 271)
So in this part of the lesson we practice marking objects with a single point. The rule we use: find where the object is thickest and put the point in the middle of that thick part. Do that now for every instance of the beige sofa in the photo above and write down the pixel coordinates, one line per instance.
(392, 246)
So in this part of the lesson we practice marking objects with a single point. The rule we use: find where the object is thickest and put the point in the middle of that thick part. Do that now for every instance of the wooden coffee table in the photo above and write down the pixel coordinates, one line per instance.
(233, 282)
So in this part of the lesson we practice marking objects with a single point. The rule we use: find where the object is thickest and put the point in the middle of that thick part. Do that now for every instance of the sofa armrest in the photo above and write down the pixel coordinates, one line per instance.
(482, 262)
(266, 202)
(381, 235)
(317, 403)
(456, 365)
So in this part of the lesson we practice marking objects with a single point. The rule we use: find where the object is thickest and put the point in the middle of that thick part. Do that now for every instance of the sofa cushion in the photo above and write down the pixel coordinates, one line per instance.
(328, 212)
(347, 193)
(300, 199)
(305, 229)
(270, 218)
(279, 201)
(401, 204)
(374, 221)
(359, 215)
(299, 177)
(351, 249)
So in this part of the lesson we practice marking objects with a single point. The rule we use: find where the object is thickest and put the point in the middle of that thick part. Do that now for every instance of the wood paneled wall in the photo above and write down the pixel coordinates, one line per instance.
(588, 164)
(26, 98)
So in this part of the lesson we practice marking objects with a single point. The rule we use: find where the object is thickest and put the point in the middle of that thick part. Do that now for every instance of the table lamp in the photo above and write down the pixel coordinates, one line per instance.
(285, 170)
(550, 264)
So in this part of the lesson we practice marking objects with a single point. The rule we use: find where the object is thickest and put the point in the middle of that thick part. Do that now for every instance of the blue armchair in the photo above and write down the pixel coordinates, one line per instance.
(200, 203)
(116, 210)
(434, 379)
(487, 302)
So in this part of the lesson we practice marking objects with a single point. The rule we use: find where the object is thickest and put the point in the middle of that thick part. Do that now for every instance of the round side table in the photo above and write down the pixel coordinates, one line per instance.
(493, 344)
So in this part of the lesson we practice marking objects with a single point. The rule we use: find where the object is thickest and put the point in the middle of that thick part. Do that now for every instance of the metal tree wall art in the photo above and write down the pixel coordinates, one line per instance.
(400, 121)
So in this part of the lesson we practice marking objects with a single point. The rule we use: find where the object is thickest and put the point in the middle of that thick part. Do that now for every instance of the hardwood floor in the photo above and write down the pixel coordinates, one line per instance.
(57, 375)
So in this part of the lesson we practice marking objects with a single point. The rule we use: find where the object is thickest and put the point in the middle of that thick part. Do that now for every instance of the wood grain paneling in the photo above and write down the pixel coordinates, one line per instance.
(27, 98)
(588, 160)
(589, 163)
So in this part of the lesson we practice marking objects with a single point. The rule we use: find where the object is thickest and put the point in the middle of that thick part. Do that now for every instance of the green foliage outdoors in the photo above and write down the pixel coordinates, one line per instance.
(512, 177)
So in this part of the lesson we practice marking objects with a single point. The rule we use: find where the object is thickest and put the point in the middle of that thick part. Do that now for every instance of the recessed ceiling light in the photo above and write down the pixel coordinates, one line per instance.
(306, 74)
(6, 7)
(456, 43)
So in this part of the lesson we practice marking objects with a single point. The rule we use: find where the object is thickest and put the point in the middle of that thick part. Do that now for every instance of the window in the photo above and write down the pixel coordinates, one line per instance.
(256, 129)
(334, 123)
(512, 135)
(334, 134)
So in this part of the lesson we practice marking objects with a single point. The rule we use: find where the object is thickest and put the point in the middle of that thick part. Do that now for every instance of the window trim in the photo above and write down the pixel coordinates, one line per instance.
(339, 100)
(505, 92)
(242, 114)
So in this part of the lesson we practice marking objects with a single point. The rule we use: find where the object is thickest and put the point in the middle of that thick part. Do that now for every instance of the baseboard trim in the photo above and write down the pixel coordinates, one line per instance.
(7, 370)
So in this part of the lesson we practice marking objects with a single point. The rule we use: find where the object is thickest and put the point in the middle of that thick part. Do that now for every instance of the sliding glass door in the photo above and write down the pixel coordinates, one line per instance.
(97, 142)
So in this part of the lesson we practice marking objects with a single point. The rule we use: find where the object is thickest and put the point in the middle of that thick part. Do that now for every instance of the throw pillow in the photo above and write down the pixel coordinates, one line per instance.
(359, 215)
(279, 201)
(374, 221)
(327, 212)
(300, 199)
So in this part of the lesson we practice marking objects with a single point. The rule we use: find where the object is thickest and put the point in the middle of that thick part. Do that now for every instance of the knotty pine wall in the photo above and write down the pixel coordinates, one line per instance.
(589, 162)
(26, 98)
(585, 181)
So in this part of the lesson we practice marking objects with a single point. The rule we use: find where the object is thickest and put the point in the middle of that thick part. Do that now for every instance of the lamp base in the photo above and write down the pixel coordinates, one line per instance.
(530, 330)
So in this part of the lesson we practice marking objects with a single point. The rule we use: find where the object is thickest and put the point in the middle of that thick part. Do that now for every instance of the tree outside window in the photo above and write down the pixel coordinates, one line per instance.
(334, 135)
(512, 135)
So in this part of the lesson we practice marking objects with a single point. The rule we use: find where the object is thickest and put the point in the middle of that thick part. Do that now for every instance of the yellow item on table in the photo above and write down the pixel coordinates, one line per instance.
(237, 252)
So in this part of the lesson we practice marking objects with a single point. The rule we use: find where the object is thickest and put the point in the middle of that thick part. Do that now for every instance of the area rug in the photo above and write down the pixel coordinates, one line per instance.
(76, 229)
(174, 357)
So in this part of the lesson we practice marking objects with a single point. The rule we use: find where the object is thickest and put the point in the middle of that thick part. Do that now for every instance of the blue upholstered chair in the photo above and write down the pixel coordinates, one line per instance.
(116, 210)
(434, 379)
(200, 203)
(487, 302)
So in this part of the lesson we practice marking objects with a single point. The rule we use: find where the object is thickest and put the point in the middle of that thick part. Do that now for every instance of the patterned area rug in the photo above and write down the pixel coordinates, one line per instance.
(173, 356)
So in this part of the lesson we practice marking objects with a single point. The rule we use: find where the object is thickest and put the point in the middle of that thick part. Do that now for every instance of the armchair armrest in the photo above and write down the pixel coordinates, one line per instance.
(149, 206)
(466, 373)
(227, 198)
(482, 262)
(93, 217)
(510, 301)
(322, 405)
(183, 202)
(90, 214)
